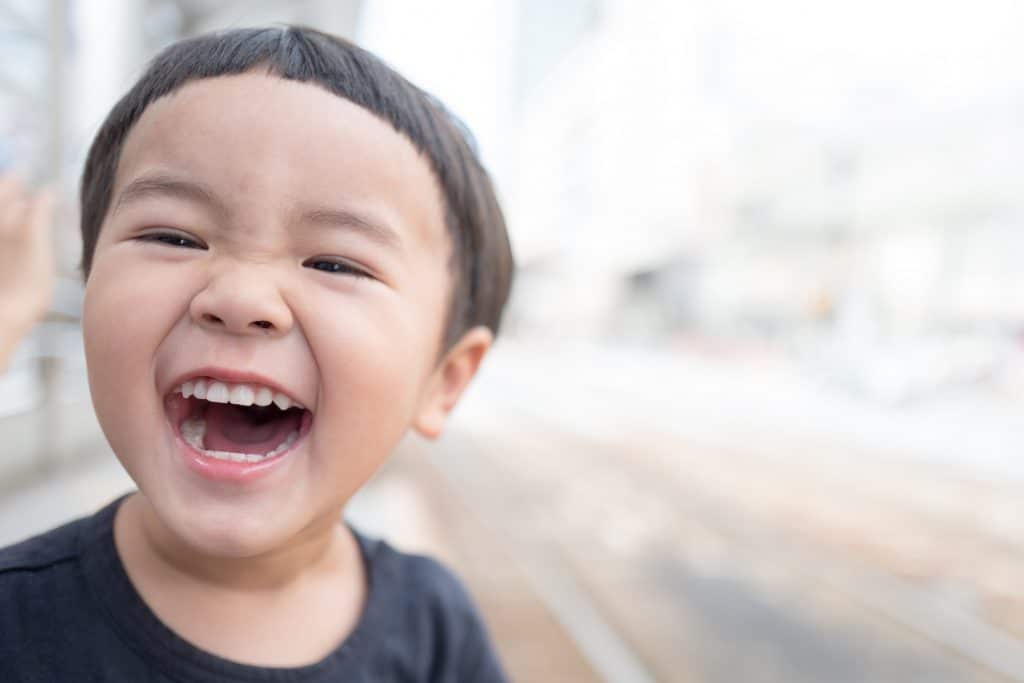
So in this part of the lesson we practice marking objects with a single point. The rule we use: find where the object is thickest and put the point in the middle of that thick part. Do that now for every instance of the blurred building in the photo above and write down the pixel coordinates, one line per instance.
(697, 166)
(615, 194)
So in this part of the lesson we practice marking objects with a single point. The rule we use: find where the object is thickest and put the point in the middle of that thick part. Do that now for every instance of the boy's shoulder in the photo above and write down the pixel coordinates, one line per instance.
(51, 548)
(418, 582)
(422, 575)
(424, 607)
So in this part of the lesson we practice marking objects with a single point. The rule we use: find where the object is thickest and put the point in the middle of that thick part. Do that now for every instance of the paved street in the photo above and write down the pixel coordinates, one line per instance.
(760, 544)
(624, 519)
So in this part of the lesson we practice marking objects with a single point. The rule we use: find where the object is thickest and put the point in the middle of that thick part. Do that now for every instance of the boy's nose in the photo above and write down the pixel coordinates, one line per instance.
(241, 303)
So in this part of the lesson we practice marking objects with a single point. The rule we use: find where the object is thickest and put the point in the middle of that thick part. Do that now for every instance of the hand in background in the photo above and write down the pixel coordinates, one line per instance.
(27, 270)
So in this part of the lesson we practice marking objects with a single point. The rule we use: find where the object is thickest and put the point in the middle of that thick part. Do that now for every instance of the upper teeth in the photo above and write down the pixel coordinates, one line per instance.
(237, 394)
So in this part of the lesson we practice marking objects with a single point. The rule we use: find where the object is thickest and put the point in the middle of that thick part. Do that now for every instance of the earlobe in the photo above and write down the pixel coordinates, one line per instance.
(450, 378)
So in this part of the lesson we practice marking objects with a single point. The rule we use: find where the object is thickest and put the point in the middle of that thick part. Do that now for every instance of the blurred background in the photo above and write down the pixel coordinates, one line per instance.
(756, 413)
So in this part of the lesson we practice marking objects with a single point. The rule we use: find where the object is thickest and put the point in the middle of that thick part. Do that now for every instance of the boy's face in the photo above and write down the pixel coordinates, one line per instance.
(234, 200)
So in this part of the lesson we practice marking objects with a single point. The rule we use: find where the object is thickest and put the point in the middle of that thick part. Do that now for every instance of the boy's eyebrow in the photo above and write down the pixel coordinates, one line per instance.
(341, 218)
(167, 185)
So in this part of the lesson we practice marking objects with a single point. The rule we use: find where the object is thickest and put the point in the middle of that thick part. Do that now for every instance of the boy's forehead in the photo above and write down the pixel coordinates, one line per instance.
(259, 137)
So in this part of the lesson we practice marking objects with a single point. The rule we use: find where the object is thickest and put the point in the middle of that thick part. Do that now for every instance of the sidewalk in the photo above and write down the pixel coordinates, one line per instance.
(735, 400)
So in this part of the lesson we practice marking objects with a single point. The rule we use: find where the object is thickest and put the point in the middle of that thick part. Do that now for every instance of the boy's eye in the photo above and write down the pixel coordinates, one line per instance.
(340, 267)
(172, 239)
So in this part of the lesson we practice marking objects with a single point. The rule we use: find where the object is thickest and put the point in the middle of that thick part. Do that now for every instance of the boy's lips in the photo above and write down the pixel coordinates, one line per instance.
(234, 426)
(218, 469)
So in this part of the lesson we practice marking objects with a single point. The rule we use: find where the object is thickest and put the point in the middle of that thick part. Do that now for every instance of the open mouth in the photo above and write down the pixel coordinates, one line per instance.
(236, 422)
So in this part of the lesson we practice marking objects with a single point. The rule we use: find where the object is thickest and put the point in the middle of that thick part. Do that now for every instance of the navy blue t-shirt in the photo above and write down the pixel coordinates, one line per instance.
(68, 612)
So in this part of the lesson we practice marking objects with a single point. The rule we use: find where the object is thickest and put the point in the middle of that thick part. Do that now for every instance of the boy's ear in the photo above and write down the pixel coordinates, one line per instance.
(449, 379)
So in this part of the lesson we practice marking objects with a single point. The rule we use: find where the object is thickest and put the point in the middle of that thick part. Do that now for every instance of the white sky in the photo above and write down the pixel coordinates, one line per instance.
(458, 50)
(793, 58)
(789, 53)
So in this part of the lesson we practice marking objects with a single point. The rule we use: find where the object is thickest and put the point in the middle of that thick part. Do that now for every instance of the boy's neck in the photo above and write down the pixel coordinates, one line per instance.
(287, 608)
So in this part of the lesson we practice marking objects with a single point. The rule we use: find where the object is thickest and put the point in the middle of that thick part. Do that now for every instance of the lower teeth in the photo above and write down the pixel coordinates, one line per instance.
(194, 432)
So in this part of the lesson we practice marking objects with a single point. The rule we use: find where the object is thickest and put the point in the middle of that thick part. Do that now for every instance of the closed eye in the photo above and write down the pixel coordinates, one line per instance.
(338, 267)
(172, 239)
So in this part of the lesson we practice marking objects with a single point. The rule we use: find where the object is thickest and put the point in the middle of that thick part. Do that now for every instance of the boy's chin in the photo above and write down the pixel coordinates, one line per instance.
(230, 543)
(223, 531)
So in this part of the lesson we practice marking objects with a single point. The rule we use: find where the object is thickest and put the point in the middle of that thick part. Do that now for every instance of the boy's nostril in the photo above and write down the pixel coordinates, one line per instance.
(211, 319)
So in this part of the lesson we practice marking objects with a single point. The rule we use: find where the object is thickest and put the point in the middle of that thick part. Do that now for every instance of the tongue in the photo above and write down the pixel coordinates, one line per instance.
(247, 430)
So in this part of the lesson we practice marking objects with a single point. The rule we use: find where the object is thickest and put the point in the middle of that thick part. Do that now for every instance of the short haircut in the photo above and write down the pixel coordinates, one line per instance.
(481, 260)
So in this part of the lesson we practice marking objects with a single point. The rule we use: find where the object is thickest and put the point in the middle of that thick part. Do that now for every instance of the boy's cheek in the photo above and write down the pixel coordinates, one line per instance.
(123, 320)
(121, 312)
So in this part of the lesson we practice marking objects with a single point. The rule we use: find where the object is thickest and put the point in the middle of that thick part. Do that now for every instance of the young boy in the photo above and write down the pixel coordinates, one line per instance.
(292, 256)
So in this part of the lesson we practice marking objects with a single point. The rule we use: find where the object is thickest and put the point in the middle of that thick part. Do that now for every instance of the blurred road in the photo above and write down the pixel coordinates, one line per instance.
(622, 517)
(728, 530)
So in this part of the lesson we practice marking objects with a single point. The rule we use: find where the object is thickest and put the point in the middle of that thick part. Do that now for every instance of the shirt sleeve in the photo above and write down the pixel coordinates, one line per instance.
(480, 664)
(462, 646)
